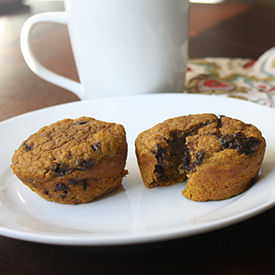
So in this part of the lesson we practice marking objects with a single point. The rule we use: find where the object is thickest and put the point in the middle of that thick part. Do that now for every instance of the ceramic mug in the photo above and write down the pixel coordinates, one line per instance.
(120, 47)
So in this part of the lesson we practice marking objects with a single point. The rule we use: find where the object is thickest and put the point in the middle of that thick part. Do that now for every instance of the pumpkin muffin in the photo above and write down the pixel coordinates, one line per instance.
(220, 157)
(73, 160)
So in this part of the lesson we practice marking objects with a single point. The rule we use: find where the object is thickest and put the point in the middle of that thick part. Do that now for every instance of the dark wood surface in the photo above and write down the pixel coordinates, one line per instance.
(227, 30)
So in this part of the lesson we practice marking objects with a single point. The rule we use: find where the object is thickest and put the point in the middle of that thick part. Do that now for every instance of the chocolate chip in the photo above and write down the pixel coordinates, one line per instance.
(86, 164)
(27, 146)
(199, 157)
(61, 187)
(220, 121)
(61, 171)
(160, 155)
(80, 122)
(76, 182)
(85, 184)
(186, 160)
(238, 141)
(45, 191)
(96, 146)
(159, 170)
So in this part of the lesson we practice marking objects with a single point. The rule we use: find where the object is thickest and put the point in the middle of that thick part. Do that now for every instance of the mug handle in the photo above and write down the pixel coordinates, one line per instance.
(34, 64)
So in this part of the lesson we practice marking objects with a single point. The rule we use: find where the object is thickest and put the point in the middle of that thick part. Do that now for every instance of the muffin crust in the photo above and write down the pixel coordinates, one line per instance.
(219, 156)
(73, 160)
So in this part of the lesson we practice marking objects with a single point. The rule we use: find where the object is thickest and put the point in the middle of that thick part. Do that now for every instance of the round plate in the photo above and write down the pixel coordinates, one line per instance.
(133, 214)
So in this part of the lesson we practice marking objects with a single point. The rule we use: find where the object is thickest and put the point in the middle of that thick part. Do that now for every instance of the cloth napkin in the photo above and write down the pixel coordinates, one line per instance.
(248, 79)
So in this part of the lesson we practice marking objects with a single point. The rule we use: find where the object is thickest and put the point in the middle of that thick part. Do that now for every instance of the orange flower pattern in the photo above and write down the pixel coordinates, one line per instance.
(247, 79)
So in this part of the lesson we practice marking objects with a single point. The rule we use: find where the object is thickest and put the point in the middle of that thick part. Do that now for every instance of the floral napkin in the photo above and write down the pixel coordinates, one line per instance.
(248, 79)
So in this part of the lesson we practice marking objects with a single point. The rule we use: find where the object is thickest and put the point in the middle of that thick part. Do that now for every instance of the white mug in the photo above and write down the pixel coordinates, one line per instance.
(120, 47)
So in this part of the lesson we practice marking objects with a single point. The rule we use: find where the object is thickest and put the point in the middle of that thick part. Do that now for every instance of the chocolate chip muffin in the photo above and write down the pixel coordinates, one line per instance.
(220, 157)
(73, 160)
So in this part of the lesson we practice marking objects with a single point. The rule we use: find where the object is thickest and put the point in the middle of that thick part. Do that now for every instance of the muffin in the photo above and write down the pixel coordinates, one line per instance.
(220, 157)
(73, 160)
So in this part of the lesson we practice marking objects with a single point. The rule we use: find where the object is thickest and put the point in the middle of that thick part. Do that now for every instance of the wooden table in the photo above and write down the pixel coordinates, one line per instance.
(220, 30)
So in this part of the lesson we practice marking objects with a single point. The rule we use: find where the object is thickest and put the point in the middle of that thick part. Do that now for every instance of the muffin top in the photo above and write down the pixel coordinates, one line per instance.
(66, 146)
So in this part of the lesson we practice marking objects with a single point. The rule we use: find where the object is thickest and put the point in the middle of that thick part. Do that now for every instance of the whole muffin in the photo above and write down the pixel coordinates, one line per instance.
(220, 156)
(73, 160)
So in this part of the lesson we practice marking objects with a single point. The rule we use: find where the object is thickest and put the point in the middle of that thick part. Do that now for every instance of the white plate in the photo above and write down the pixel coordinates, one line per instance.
(134, 214)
